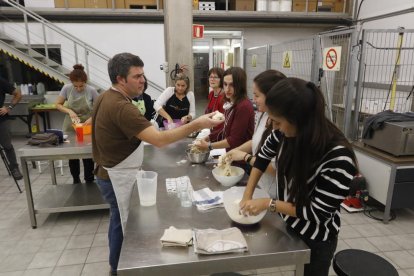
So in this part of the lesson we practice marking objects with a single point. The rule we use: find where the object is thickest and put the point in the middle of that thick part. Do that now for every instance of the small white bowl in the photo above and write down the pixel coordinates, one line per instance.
(231, 200)
(228, 181)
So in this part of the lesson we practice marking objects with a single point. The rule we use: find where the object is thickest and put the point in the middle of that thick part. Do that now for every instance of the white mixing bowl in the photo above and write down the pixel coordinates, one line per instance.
(231, 199)
(237, 175)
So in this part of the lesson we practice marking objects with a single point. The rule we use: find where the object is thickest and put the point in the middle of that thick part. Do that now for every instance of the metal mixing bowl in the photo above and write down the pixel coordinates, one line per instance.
(197, 157)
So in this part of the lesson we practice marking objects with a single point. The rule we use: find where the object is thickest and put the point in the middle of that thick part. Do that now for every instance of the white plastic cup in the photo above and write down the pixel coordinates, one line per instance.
(147, 187)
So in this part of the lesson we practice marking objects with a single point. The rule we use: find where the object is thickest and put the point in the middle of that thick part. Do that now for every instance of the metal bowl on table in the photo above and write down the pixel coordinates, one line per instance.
(197, 158)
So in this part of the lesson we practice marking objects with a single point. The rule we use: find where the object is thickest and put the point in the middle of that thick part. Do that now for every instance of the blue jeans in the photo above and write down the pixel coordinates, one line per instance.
(115, 235)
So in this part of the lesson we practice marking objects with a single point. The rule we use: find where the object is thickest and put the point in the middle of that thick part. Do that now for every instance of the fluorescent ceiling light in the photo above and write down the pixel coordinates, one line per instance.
(221, 47)
(201, 47)
(205, 47)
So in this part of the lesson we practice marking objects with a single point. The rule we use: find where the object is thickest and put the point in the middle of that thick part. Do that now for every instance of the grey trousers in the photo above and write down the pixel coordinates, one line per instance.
(5, 142)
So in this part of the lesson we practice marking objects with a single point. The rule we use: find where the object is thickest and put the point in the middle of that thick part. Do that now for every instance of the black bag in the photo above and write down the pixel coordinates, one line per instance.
(44, 140)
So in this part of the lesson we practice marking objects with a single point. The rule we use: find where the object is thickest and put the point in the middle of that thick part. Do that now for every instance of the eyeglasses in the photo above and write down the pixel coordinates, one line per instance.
(213, 78)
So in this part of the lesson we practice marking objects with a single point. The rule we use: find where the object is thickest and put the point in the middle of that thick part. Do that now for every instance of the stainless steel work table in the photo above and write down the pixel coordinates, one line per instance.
(269, 243)
(60, 198)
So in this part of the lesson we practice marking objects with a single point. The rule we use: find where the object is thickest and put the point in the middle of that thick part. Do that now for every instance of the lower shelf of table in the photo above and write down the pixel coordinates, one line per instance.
(69, 198)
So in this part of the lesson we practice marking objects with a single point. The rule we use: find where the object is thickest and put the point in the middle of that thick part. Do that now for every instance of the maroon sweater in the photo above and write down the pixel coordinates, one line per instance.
(238, 127)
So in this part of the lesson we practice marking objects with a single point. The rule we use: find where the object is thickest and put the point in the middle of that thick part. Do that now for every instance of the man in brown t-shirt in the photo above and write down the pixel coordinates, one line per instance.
(119, 128)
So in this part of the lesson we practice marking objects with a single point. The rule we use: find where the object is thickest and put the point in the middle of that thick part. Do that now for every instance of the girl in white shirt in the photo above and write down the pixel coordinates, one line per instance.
(177, 102)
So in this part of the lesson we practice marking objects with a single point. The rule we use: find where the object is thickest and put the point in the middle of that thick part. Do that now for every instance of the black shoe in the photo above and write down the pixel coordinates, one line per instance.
(77, 181)
(16, 173)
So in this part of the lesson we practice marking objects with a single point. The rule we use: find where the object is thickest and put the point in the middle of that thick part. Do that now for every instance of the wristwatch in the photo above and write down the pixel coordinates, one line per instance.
(272, 206)
(249, 159)
(10, 107)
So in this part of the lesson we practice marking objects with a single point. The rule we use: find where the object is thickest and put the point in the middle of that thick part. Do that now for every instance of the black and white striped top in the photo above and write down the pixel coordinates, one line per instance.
(329, 185)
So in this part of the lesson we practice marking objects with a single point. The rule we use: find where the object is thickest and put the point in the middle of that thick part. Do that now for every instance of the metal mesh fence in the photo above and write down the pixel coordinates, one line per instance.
(256, 61)
(386, 73)
(373, 75)
(299, 53)
(333, 82)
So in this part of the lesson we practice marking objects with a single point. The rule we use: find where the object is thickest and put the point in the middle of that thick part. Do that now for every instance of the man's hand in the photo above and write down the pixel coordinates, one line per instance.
(4, 110)
(206, 121)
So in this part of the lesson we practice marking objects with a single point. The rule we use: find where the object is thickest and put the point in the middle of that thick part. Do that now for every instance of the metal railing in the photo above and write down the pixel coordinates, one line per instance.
(73, 49)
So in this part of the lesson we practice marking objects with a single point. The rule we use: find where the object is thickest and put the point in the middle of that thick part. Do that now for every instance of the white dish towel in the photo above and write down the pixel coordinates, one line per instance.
(177, 237)
(212, 241)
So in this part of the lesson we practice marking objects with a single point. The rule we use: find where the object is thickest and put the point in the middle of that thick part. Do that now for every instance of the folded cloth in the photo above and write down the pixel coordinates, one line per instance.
(176, 237)
(206, 199)
(212, 241)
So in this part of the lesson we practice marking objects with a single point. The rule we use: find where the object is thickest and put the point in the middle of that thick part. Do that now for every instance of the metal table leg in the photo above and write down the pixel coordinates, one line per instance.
(29, 194)
(300, 269)
(52, 171)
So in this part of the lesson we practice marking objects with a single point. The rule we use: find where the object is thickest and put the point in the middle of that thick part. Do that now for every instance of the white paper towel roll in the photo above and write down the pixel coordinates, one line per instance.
(274, 5)
(285, 5)
(261, 5)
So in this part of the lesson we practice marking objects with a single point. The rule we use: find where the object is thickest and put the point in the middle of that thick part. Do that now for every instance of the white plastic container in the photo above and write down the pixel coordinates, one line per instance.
(286, 5)
(274, 5)
(40, 87)
(261, 5)
(147, 187)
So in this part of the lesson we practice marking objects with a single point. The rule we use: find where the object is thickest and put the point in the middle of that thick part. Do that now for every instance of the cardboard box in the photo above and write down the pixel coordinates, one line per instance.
(331, 5)
(241, 5)
(119, 4)
(318, 5)
(71, 4)
(39, 3)
(300, 5)
(96, 4)
(141, 4)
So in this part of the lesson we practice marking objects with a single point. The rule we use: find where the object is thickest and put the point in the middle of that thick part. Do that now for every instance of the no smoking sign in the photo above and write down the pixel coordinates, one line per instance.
(332, 58)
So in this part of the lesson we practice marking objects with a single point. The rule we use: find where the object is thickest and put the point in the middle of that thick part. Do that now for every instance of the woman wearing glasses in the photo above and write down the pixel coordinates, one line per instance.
(216, 95)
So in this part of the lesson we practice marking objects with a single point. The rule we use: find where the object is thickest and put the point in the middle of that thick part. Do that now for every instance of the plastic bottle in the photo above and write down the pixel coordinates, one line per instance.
(30, 89)
(22, 89)
(40, 87)
(26, 89)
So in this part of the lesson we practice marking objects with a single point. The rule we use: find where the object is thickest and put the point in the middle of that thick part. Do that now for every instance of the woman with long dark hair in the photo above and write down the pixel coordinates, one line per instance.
(315, 165)
(262, 83)
(238, 112)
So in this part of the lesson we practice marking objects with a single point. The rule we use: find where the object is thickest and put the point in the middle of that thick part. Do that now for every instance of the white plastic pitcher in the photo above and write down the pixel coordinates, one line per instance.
(147, 187)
